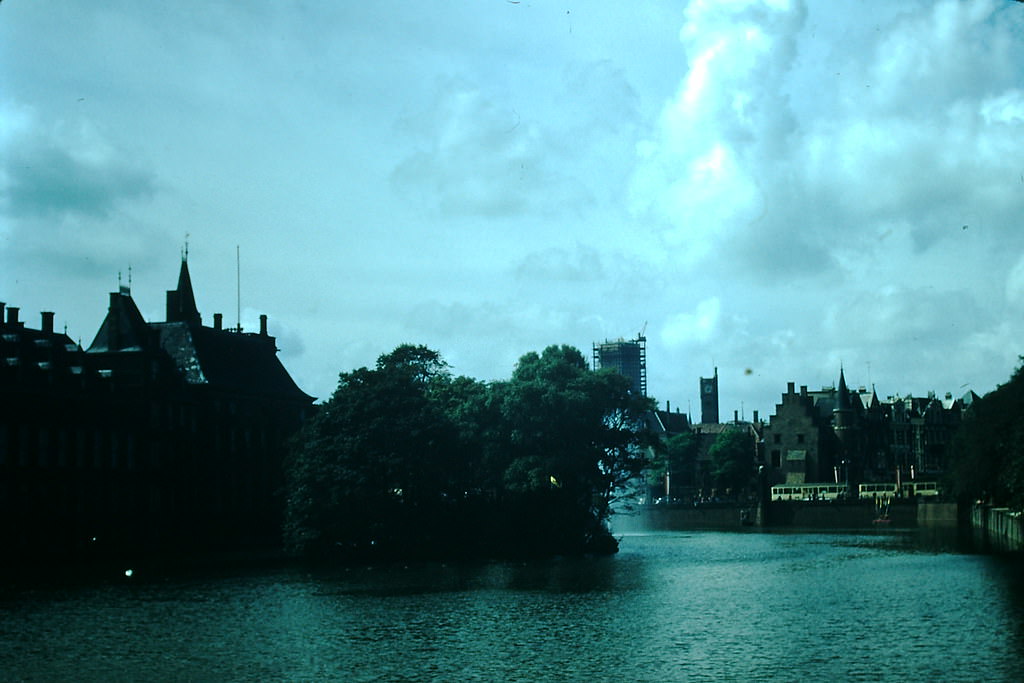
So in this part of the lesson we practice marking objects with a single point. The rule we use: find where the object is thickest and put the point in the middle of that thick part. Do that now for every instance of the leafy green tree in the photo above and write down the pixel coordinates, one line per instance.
(988, 449)
(732, 461)
(575, 438)
(373, 457)
(406, 460)
(677, 459)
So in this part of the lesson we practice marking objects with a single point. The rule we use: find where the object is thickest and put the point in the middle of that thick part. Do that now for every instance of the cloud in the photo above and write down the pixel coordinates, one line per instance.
(474, 155)
(68, 170)
(583, 264)
(901, 130)
(489, 152)
(1015, 285)
(696, 327)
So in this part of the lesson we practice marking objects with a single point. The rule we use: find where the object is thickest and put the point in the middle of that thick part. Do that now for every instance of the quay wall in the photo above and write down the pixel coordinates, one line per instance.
(671, 518)
(938, 514)
(800, 514)
(1001, 528)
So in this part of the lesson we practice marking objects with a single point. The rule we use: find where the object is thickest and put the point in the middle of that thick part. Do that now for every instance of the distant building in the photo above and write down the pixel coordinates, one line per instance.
(709, 399)
(629, 358)
(691, 481)
(845, 436)
(160, 436)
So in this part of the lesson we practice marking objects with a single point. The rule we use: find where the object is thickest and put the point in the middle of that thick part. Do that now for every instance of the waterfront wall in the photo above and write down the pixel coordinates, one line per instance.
(801, 514)
(838, 515)
(1000, 527)
(674, 518)
(937, 514)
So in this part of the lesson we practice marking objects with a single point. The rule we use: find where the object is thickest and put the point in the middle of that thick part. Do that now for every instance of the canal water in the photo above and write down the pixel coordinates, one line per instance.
(671, 606)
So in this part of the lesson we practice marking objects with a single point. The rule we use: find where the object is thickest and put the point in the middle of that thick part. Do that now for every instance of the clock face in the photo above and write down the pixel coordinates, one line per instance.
(707, 388)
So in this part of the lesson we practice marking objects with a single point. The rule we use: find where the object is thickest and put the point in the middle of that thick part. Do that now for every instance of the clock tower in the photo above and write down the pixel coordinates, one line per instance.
(709, 399)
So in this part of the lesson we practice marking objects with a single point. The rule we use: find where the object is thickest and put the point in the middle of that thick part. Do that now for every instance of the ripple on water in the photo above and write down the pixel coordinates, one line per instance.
(670, 606)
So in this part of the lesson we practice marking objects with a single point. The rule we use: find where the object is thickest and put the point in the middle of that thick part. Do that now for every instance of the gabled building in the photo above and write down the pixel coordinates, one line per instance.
(839, 435)
(799, 443)
(160, 436)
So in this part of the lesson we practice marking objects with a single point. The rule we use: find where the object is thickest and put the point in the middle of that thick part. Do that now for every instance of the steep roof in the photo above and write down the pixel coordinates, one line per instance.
(124, 328)
(228, 360)
(843, 397)
(664, 421)
(181, 302)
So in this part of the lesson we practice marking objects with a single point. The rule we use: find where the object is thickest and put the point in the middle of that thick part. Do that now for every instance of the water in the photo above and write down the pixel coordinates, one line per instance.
(699, 606)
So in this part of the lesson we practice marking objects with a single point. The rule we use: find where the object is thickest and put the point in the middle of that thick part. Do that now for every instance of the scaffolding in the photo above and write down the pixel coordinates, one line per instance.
(628, 358)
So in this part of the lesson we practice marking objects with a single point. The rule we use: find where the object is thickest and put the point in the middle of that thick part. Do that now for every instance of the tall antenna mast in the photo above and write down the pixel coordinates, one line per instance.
(238, 287)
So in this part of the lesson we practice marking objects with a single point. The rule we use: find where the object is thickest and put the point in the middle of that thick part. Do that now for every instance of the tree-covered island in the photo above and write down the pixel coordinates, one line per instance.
(406, 460)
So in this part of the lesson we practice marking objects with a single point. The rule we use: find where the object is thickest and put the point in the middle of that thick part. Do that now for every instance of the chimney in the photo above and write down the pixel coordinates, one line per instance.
(803, 390)
(263, 325)
(668, 406)
(790, 387)
(12, 315)
(47, 321)
(755, 417)
(2, 306)
(736, 416)
(218, 321)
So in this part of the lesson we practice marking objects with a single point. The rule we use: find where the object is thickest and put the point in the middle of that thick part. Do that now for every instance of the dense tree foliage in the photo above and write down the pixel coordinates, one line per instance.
(675, 462)
(732, 462)
(988, 449)
(406, 460)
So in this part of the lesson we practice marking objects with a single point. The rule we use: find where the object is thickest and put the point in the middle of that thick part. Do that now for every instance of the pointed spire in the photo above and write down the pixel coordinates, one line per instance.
(181, 302)
(843, 398)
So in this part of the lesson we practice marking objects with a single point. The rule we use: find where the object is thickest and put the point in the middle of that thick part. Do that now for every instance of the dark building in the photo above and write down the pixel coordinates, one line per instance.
(692, 481)
(627, 357)
(709, 399)
(160, 437)
(839, 435)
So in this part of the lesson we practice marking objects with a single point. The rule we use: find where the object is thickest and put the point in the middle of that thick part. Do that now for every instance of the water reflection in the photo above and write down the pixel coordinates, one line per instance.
(671, 606)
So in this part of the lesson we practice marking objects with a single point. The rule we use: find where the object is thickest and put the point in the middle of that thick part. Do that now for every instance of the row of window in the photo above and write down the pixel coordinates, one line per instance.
(83, 448)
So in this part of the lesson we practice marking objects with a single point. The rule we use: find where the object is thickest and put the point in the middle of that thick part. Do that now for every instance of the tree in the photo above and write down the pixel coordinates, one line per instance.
(576, 437)
(732, 461)
(406, 460)
(988, 449)
(676, 462)
(362, 470)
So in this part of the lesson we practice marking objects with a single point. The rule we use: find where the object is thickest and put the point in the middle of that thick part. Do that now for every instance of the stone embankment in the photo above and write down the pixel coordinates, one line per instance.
(1000, 527)
(798, 514)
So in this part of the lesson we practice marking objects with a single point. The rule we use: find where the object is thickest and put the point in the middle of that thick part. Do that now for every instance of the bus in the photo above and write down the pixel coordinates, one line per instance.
(907, 489)
(808, 491)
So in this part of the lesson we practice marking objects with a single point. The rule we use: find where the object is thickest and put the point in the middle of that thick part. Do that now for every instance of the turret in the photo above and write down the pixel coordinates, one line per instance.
(181, 302)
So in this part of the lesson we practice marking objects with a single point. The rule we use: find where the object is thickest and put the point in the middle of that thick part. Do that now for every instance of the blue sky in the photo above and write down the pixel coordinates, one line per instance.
(771, 187)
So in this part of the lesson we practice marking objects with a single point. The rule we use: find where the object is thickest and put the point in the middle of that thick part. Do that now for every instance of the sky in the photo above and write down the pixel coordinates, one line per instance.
(773, 188)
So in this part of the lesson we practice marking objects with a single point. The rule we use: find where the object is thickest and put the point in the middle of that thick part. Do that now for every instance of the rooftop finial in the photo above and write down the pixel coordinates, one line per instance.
(184, 251)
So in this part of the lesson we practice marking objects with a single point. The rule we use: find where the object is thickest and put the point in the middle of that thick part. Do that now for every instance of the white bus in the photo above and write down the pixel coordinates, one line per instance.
(807, 491)
(907, 489)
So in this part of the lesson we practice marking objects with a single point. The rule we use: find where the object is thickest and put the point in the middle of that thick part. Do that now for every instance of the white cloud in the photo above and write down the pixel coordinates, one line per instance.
(698, 326)
(773, 185)
(1015, 284)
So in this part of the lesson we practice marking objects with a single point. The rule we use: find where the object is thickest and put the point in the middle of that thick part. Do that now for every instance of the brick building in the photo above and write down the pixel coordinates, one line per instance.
(849, 436)
(160, 437)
